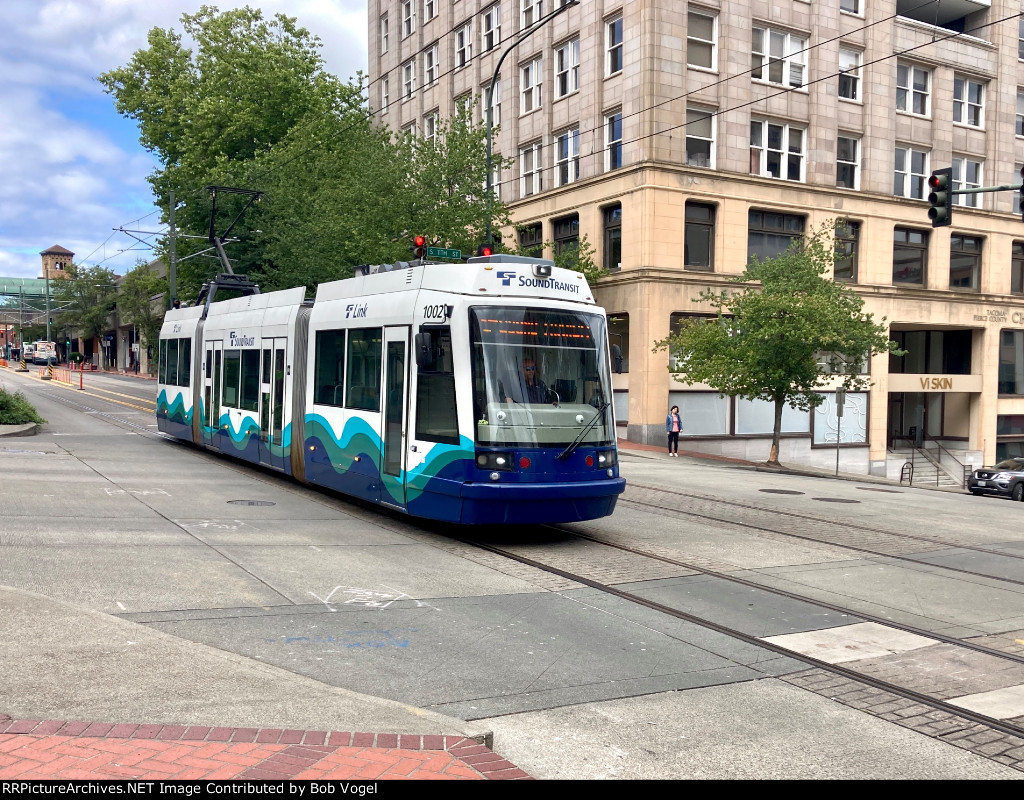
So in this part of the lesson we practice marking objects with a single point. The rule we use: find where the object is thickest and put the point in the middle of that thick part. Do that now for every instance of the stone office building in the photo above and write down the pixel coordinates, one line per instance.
(682, 137)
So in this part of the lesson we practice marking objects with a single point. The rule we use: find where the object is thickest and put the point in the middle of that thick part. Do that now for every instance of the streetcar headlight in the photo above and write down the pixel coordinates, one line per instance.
(495, 460)
(606, 458)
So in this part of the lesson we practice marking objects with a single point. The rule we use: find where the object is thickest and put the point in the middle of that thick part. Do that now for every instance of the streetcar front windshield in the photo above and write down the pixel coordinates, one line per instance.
(540, 377)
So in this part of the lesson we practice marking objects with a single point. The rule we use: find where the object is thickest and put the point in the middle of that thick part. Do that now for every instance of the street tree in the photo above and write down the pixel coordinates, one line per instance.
(140, 303)
(248, 82)
(781, 335)
(89, 294)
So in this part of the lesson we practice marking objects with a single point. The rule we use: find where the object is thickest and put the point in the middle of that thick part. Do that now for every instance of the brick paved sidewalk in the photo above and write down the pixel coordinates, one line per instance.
(44, 750)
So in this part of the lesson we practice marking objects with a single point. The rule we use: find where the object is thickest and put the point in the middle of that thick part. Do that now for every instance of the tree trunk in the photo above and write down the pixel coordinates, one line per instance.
(773, 457)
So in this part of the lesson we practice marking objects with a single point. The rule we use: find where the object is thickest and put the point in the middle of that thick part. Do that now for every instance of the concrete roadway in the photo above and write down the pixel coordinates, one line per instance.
(138, 567)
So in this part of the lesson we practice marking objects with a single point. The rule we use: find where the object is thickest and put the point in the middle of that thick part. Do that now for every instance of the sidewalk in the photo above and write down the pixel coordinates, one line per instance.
(35, 750)
(141, 704)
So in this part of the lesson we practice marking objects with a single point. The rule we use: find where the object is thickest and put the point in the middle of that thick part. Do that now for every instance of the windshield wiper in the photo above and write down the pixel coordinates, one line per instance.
(576, 442)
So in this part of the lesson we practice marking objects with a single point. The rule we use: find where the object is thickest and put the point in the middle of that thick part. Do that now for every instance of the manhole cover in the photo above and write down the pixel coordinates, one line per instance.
(834, 500)
(872, 489)
(780, 491)
(251, 502)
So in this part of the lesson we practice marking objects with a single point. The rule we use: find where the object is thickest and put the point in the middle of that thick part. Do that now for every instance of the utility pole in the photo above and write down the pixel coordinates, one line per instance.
(490, 99)
(172, 266)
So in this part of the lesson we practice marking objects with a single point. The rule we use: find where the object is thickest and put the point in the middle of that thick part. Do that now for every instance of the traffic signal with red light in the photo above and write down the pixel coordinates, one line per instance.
(484, 250)
(418, 244)
(940, 197)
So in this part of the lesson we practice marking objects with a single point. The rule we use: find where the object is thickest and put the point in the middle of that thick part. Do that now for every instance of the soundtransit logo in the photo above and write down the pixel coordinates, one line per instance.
(541, 283)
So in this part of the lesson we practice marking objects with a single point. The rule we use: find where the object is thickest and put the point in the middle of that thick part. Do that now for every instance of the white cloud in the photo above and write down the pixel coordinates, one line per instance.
(70, 170)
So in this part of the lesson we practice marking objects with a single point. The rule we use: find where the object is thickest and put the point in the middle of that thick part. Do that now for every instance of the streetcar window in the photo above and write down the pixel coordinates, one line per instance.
(436, 418)
(163, 361)
(184, 362)
(362, 382)
(329, 371)
(171, 357)
(250, 380)
(232, 369)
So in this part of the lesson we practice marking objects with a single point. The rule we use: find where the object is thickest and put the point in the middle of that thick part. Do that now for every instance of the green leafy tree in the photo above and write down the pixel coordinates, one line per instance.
(779, 336)
(139, 302)
(89, 294)
(206, 113)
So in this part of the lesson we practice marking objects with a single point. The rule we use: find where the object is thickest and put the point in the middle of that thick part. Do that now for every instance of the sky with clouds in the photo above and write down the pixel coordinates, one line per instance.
(72, 170)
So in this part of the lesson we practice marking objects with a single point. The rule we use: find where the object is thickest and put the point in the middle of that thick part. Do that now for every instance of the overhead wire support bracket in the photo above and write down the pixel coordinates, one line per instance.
(218, 241)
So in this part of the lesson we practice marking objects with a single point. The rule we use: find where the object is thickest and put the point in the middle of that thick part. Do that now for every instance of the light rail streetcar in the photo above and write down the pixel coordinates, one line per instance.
(475, 393)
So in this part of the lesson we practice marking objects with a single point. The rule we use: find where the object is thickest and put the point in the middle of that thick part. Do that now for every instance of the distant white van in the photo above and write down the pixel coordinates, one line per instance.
(27, 352)
(44, 352)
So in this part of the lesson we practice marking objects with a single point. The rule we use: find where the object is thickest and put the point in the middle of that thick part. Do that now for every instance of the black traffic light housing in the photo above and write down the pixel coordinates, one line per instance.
(418, 243)
(484, 250)
(1021, 190)
(940, 197)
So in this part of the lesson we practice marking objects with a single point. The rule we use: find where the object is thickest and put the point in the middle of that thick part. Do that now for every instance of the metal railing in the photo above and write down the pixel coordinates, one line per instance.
(936, 460)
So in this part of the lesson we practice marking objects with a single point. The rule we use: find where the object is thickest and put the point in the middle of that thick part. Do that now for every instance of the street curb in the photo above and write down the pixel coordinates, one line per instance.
(28, 429)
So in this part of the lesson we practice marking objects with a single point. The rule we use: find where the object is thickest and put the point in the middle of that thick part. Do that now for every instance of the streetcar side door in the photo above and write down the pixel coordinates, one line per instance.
(272, 375)
(213, 360)
(393, 416)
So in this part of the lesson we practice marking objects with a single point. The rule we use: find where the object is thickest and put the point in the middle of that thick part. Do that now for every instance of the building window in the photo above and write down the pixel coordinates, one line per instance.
(699, 237)
(1017, 269)
(850, 6)
(612, 237)
(776, 150)
(491, 32)
(967, 175)
(965, 262)
(912, 89)
(770, 233)
(463, 45)
(849, 73)
(533, 10)
(530, 86)
(430, 126)
(567, 157)
(847, 239)
(496, 177)
(701, 40)
(429, 10)
(911, 173)
(567, 233)
(567, 68)
(408, 17)
(430, 66)
(700, 138)
(847, 162)
(408, 79)
(1020, 39)
(383, 34)
(613, 137)
(777, 57)
(1020, 113)
(464, 106)
(531, 240)
(613, 45)
(495, 102)
(909, 256)
(384, 94)
(1011, 362)
(968, 102)
(530, 174)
